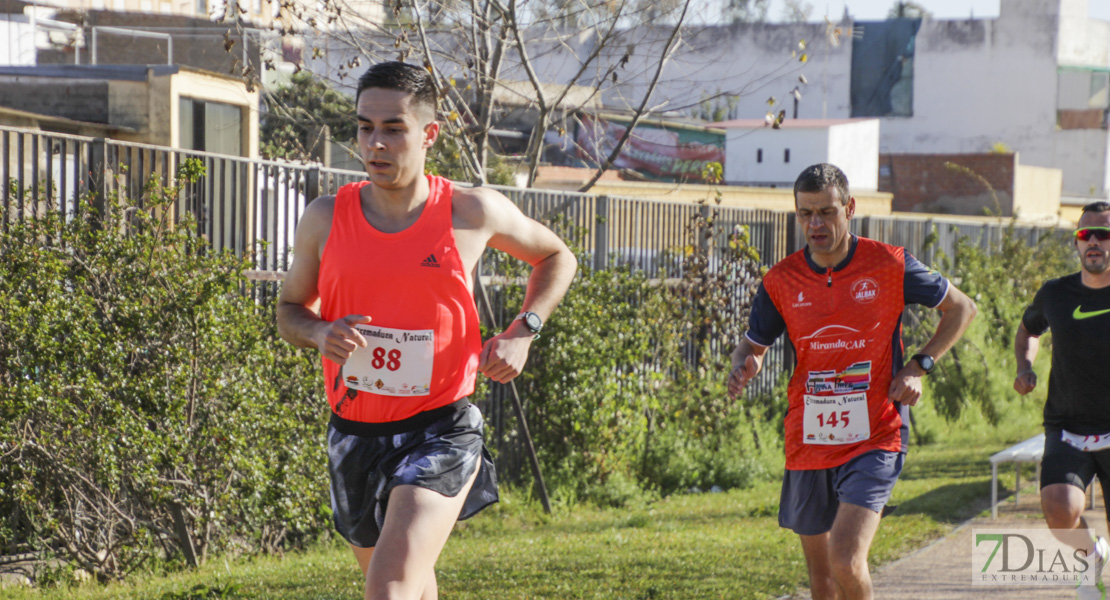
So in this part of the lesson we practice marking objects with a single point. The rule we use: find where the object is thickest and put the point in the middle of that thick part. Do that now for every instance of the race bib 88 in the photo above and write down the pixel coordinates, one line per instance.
(396, 362)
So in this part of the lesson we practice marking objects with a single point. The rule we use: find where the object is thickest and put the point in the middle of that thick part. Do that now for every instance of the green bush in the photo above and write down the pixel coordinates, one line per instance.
(727, 457)
(627, 382)
(1002, 278)
(591, 377)
(148, 411)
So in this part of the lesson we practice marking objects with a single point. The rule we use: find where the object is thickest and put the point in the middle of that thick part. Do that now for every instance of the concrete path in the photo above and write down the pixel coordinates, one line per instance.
(942, 570)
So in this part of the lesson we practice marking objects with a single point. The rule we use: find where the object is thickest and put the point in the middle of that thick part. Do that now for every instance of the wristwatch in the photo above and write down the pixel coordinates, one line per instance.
(532, 321)
(927, 363)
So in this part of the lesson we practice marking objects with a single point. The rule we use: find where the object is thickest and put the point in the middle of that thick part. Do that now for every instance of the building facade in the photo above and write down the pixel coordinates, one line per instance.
(163, 104)
(759, 154)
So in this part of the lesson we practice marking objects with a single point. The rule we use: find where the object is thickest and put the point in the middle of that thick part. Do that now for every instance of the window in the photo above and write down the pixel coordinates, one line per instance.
(210, 126)
(759, 155)
(882, 69)
(1082, 98)
(786, 155)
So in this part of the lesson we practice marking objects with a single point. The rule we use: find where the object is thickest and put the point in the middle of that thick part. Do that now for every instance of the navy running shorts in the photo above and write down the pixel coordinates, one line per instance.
(437, 450)
(811, 498)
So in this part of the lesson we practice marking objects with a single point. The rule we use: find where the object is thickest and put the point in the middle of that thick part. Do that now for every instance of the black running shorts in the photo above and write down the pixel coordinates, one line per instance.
(438, 450)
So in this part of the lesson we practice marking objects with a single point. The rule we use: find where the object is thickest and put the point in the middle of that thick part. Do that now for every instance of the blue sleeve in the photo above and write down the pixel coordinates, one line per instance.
(765, 323)
(922, 285)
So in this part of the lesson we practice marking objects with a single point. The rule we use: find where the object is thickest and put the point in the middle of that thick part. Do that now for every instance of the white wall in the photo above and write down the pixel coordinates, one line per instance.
(975, 86)
(1083, 41)
(807, 146)
(757, 62)
(854, 147)
(1106, 172)
(1084, 150)
(978, 85)
(17, 42)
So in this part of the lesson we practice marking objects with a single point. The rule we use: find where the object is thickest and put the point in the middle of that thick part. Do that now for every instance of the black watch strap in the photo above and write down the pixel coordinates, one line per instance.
(925, 361)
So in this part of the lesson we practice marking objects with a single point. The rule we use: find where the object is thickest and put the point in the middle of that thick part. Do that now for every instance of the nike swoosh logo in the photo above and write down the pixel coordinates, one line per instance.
(1079, 315)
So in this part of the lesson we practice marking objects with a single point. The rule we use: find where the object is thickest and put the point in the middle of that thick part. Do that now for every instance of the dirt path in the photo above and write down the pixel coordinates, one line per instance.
(942, 570)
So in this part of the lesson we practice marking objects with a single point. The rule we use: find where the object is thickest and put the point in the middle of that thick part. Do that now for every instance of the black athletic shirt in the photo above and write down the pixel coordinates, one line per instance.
(1079, 384)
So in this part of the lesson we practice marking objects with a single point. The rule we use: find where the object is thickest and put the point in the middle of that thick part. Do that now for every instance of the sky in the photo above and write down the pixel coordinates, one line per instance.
(876, 10)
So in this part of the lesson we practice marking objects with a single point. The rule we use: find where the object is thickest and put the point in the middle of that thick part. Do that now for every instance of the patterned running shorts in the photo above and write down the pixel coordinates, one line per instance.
(366, 463)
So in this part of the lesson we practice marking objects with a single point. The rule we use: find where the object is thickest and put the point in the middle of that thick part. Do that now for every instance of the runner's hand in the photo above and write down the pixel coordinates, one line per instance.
(339, 339)
(503, 355)
(740, 375)
(906, 386)
(1025, 381)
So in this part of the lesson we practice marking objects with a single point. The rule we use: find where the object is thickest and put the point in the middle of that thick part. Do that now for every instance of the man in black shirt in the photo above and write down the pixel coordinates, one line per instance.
(1077, 412)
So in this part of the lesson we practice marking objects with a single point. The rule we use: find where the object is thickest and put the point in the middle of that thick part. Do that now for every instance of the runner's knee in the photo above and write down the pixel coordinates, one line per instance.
(846, 565)
(1061, 515)
(1062, 505)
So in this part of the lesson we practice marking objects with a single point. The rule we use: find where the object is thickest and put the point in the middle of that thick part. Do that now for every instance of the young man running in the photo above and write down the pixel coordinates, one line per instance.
(382, 286)
(841, 300)
(1077, 412)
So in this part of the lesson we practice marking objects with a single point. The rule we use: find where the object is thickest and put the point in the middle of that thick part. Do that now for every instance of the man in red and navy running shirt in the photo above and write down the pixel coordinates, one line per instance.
(840, 300)
(381, 286)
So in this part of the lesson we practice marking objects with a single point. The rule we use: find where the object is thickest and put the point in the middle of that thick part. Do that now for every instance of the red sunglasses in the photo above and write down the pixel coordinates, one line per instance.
(1099, 233)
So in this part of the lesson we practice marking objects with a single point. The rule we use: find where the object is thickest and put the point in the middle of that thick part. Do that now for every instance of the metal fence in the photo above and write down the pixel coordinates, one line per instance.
(926, 237)
(252, 208)
(238, 204)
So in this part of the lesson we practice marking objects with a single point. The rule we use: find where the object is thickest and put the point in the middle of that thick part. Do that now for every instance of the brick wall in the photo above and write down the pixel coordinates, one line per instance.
(949, 183)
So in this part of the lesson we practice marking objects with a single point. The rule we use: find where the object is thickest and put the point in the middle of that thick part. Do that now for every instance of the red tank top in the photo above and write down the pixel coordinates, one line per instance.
(423, 339)
(842, 324)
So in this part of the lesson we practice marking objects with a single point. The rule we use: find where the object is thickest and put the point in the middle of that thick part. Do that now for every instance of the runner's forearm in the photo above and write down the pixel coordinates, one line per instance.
(299, 325)
(548, 283)
(744, 349)
(958, 313)
(1026, 346)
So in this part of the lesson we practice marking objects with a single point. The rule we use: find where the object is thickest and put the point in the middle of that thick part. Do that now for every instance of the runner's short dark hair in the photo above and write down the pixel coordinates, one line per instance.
(396, 75)
(822, 176)
(1100, 206)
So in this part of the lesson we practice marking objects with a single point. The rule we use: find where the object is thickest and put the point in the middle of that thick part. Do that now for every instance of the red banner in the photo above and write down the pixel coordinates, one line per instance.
(655, 152)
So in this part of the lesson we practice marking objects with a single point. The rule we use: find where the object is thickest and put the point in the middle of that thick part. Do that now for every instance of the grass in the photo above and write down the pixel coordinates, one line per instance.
(724, 545)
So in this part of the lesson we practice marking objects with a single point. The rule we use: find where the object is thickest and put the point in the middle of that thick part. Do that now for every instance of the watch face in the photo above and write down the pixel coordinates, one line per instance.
(533, 321)
(926, 362)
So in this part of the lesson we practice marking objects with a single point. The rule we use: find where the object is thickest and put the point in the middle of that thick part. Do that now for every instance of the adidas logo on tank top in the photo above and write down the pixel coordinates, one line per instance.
(430, 261)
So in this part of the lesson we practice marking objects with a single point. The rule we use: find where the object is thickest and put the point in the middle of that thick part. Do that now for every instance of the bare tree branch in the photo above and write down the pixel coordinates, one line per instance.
(669, 49)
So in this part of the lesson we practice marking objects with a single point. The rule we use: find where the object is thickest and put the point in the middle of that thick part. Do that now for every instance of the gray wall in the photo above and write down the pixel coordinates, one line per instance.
(81, 101)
